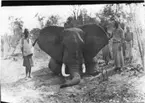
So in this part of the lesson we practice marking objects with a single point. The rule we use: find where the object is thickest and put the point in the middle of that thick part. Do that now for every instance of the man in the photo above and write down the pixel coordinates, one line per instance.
(118, 40)
(129, 42)
(124, 43)
(27, 51)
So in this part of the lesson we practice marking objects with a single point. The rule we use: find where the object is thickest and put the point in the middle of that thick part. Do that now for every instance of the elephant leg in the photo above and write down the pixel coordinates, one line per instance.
(91, 67)
(55, 67)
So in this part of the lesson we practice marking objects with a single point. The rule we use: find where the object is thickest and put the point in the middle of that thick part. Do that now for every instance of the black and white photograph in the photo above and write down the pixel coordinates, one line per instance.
(80, 53)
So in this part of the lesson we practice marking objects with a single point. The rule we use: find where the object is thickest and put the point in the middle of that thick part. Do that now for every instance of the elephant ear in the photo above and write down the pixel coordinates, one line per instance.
(49, 41)
(95, 39)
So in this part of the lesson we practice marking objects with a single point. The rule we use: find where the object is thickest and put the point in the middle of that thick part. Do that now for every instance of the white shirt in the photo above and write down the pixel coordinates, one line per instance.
(27, 47)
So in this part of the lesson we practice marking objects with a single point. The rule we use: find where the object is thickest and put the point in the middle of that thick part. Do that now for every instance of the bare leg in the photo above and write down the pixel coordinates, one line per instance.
(29, 71)
(26, 72)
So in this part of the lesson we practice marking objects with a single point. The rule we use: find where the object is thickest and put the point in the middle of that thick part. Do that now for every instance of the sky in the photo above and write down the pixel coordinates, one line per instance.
(27, 14)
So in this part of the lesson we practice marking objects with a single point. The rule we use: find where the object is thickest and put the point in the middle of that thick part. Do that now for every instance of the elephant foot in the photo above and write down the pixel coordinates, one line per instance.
(54, 67)
(92, 68)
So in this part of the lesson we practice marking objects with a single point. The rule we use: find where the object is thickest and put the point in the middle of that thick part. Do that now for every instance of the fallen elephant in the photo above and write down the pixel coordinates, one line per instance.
(72, 47)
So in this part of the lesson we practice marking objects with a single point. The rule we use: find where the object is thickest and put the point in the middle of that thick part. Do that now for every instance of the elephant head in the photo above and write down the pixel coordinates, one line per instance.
(73, 47)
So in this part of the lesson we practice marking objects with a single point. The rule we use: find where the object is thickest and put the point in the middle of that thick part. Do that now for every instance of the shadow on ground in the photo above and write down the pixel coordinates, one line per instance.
(45, 77)
(40, 78)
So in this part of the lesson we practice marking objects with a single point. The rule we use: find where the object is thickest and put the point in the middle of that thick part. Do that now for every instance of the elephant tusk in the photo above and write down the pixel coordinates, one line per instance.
(63, 71)
(84, 68)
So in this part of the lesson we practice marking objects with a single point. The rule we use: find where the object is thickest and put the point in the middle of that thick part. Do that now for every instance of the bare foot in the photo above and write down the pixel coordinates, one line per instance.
(29, 77)
(26, 78)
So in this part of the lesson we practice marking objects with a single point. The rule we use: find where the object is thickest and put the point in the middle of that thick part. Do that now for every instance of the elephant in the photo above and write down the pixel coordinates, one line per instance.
(72, 47)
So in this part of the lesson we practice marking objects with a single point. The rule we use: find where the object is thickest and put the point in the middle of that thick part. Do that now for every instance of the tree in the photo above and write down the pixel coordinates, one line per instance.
(5, 46)
(70, 22)
(40, 19)
(118, 12)
(52, 20)
(84, 18)
(112, 12)
(35, 33)
(137, 30)
(76, 11)
(72, 19)
(16, 25)
(80, 17)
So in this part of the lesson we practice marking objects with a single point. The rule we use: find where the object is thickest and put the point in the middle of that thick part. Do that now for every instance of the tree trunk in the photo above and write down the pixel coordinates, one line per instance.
(138, 34)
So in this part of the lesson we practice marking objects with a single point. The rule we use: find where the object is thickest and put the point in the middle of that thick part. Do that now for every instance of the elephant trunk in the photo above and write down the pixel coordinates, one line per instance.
(74, 72)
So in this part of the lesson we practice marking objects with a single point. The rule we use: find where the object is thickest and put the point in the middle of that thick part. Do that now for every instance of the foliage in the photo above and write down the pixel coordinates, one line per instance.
(40, 20)
(86, 19)
(76, 11)
(52, 20)
(80, 17)
(111, 13)
(118, 12)
(137, 29)
(35, 33)
(11, 40)
(16, 25)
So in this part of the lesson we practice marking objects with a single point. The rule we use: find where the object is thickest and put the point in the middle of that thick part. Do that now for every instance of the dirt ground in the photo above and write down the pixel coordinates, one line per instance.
(44, 86)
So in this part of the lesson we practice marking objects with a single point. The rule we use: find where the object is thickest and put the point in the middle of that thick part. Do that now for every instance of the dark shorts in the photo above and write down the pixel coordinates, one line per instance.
(27, 61)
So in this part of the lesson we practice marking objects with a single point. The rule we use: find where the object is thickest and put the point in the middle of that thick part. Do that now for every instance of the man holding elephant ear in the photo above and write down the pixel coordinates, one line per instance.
(27, 51)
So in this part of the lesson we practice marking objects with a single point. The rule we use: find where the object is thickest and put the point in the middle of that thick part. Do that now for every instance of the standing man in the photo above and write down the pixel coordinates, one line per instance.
(129, 44)
(124, 43)
(27, 51)
(118, 40)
